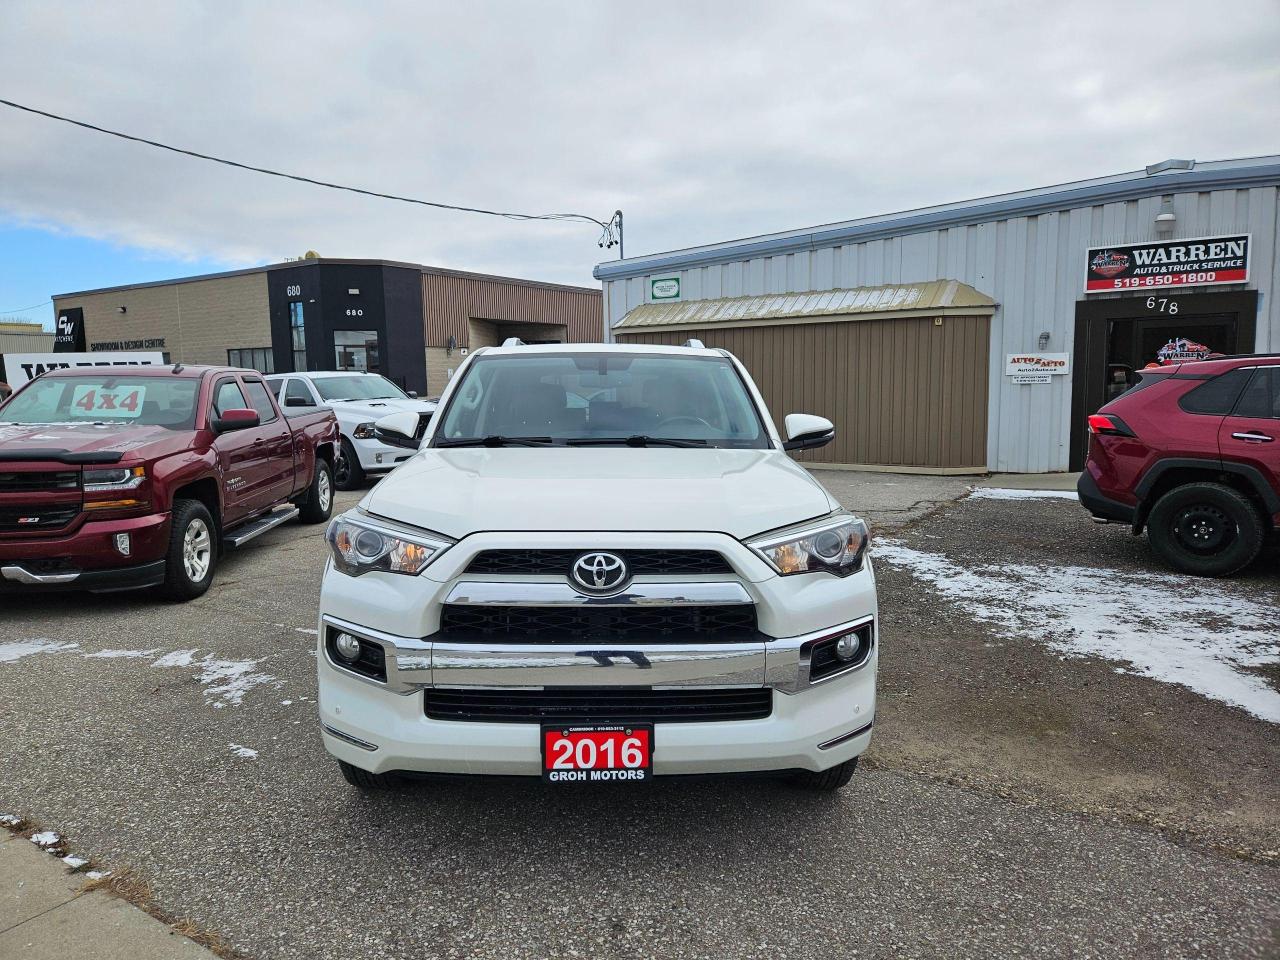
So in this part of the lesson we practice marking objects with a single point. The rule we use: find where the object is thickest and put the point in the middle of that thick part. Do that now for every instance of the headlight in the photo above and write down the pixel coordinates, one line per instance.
(363, 431)
(836, 545)
(114, 478)
(361, 543)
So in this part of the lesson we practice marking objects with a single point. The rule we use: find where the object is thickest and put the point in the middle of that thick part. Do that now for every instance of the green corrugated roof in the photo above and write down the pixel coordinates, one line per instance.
(933, 296)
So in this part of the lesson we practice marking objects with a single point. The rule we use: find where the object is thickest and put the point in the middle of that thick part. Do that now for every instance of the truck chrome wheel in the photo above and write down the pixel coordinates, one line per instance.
(197, 550)
(324, 489)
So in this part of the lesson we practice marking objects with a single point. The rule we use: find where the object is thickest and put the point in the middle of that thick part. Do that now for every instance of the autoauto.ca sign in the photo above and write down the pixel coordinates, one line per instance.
(1199, 262)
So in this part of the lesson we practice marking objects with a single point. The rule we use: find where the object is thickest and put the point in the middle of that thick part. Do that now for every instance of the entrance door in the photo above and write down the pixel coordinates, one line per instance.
(1134, 342)
(1116, 338)
(356, 350)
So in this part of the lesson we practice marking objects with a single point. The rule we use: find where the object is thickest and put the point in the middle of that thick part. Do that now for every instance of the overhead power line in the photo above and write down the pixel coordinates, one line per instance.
(42, 303)
(610, 230)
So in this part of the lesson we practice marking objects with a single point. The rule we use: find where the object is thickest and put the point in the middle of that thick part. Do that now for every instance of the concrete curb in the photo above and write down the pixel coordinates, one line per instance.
(45, 914)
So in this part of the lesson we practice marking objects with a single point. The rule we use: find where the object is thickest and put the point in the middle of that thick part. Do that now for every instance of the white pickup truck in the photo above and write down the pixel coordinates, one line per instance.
(357, 399)
(600, 565)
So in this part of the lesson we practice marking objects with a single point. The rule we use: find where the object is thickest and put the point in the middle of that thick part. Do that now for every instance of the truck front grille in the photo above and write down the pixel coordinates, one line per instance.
(641, 562)
(598, 704)
(39, 481)
(32, 518)
(731, 623)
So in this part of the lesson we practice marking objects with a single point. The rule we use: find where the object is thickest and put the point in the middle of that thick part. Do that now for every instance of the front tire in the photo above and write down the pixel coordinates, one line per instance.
(826, 781)
(317, 507)
(347, 472)
(1205, 529)
(193, 551)
(366, 780)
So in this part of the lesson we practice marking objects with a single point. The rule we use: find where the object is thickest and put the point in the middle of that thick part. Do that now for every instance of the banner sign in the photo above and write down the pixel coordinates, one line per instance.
(1200, 262)
(21, 367)
(1181, 349)
(68, 336)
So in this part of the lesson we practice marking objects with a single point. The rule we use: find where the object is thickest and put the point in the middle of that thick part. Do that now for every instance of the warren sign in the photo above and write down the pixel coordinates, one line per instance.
(1200, 262)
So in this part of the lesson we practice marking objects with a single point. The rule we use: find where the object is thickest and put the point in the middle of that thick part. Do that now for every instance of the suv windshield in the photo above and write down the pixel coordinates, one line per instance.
(359, 387)
(589, 398)
(106, 398)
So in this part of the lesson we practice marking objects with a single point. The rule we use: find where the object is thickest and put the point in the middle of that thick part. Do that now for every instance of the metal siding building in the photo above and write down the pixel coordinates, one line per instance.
(1028, 252)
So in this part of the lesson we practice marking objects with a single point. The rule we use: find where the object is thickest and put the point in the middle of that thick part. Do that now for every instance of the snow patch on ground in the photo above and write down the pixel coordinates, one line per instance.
(9, 820)
(310, 630)
(1171, 628)
(229, 680)
(17, 649)
(98, 874)
(45, 838)
(119, 654)
(179, 658)
(75, 863)
(1006, 493)
(245, 752)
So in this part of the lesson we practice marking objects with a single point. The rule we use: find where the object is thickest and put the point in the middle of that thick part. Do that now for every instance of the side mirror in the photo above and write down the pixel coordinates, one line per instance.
(412, 393)
(402, 429)
(297, 402)
(807, 432)
(236, 419)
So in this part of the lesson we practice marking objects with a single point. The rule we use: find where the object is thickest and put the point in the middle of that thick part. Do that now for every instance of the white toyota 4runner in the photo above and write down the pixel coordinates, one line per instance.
(600, 565)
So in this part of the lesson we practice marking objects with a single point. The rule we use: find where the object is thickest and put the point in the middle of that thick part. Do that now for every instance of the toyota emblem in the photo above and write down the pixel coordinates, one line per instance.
(599, 572)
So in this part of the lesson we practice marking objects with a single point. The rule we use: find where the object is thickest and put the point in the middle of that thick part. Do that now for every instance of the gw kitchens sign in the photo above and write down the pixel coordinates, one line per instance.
(1199, 262)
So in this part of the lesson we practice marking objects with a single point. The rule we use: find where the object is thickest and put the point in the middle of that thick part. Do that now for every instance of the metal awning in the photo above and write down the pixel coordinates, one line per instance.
(933, 298)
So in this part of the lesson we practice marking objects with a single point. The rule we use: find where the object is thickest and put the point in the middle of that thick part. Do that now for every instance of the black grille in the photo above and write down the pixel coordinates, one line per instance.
(16, 519)
(641, 562)
(599, 704)
(721, 624)
(39, 481)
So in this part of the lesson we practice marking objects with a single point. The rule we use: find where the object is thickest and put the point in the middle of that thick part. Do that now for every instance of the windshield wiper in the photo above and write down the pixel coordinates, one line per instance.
(639, 440)
(495, 442)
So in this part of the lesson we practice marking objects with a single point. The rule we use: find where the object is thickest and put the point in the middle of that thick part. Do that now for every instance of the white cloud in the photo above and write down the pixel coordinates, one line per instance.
(702, 121)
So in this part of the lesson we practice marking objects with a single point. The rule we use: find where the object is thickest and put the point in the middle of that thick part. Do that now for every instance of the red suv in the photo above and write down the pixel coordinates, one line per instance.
(1191, 453)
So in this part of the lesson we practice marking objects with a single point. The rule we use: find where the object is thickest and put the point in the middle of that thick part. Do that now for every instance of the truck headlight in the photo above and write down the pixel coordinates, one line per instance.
(364, 431)
(361, 543)
(114, 478)
(836, 545)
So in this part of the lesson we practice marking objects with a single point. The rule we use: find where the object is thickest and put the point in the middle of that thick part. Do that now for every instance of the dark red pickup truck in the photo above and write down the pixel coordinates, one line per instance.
(126, 477)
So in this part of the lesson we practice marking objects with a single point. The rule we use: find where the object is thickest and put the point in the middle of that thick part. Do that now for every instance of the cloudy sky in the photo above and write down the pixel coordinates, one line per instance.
(702, 121)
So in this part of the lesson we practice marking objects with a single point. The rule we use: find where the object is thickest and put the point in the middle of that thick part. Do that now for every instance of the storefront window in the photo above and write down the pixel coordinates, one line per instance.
(356, 350)
(298, 335)
(252, 358)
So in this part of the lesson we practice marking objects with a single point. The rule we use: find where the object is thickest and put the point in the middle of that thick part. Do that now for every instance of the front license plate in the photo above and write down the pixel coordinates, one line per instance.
(583, 753)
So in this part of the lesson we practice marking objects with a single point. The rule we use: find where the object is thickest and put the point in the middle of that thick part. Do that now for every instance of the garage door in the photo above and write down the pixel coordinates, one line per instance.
(904, 392)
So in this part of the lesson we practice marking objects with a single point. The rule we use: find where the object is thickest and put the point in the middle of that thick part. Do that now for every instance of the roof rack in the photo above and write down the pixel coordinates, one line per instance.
(695, 344)
(514, 342)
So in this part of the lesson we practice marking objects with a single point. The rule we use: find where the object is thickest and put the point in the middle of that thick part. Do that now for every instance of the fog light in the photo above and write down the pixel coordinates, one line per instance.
(123, 545)
(847, 646)
(348, 647)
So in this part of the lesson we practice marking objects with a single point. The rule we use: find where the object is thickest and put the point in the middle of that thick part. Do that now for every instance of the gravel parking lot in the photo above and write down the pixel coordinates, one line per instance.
(1076, 754)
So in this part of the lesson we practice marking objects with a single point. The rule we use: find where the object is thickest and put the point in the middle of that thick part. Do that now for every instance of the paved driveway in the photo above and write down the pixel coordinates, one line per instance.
(181, 741)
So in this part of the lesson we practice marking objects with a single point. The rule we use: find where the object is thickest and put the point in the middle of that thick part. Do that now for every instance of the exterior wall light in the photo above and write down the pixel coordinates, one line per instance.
(1166, 220)
(1044, 339)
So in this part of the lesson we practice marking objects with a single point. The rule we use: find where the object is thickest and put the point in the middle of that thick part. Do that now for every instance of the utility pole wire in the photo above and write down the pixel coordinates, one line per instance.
(607, 238)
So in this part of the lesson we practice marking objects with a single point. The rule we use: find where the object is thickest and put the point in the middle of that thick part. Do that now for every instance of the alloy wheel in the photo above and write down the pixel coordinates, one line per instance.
(197, 550)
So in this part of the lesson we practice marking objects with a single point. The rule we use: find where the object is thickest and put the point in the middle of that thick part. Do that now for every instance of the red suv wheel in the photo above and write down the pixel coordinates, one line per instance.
(1207, 529)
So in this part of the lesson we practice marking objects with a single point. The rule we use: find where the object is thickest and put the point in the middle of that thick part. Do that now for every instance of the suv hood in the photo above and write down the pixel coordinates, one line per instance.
(37, 441)
(359, 411)
(738, 492)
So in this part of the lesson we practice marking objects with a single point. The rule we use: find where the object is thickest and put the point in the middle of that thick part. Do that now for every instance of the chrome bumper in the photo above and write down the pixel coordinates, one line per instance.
(412, 664)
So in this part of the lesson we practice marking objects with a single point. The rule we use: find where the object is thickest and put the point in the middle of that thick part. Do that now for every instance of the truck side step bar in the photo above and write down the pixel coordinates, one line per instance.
(256, 528)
